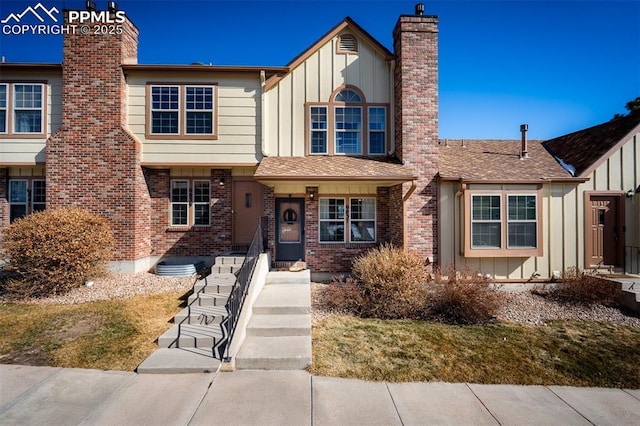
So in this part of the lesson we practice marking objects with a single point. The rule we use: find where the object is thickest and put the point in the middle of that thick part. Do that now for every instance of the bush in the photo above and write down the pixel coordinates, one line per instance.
(463, 298)
(53, 251)
(579, 287)
(393, 283)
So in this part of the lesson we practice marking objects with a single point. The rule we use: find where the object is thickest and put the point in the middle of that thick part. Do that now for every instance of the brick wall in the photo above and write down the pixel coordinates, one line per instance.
(92, 160)
(4, 198)
(212, 240)
(416, 115)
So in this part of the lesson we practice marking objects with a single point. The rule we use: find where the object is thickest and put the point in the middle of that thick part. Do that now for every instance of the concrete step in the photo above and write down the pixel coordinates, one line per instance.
(192, 336)
(207, 299)
(229, 260)
(286, 277)
(225, 269)
(202, 288)
(275, 353)
(279, 325)
(180, 361)
(283, 299)
(203, 315)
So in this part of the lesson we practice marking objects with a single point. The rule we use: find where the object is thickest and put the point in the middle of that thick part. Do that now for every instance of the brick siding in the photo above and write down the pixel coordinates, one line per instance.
(416, 115)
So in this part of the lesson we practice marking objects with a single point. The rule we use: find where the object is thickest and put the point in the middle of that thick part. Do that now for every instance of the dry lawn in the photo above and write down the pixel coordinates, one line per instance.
(573, 353)
(108, 335)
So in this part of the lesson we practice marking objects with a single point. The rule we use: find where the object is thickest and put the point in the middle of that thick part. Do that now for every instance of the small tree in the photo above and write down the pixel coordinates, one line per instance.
(53, 251)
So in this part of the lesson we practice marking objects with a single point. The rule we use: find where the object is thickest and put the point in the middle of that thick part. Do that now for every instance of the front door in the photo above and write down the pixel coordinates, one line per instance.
(604, 239)
(247, 210)
(289, 229)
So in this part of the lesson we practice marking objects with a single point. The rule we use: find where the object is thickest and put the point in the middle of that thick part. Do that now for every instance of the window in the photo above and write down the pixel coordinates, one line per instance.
(357, 128)
(318, 120)
(182, 111)
(190, 202)
(22, 108)
(332, 218)
(522, 221)
(377, 130)
(503, 223)
(485, 221)
(26, 196)
(3, 108)
(361, 220)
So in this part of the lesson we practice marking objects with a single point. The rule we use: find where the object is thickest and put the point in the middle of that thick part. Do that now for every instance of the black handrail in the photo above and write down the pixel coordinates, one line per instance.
(632, 259)
(241, 286)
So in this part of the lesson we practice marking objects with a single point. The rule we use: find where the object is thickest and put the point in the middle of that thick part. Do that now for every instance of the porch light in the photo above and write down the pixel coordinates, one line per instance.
(221, 182)
(632, 192)
(312, 192)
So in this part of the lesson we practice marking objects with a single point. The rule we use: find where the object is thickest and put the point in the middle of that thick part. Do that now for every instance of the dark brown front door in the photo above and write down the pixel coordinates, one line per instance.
(604, 229)
(289, 229)
(247, 210)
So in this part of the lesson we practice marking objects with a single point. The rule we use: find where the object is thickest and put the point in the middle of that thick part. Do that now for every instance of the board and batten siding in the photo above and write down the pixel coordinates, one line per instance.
(16, 150)
(238, 122)
(563, 220)
(314, 80)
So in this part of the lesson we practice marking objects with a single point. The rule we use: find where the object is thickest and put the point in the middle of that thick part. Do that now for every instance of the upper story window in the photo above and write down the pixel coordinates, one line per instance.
(347, 125)
(348, 44)
(503, 223)
(22, 109)
(182, 111)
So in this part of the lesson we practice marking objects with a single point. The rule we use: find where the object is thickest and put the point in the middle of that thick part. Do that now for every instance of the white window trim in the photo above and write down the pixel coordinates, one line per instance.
(336, 131)
(5, 110)
(344, 221)
(325, 130)
(508, 195)
(172, 203)
(14, 109)
(195, 203)
(187, 110)
(474, 221)
(375, 220)
(370, 131)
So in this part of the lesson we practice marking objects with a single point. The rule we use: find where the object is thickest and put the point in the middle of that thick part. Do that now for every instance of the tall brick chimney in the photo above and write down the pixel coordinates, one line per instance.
(416, 115)
(92, 161)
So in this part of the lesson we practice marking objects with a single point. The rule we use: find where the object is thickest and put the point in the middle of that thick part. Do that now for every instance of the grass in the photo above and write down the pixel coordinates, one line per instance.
(569, 353)
(109, 335)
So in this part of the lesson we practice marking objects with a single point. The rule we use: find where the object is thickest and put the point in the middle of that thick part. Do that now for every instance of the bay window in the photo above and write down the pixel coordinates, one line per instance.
(503, 223)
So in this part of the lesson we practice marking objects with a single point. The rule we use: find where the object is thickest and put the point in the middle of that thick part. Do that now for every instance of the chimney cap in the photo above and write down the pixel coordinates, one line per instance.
(112, 6)
(420, 9)
(90, 5)
(524, 127)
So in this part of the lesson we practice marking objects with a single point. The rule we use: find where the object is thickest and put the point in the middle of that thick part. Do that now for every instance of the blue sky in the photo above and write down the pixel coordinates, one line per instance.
(559, 66)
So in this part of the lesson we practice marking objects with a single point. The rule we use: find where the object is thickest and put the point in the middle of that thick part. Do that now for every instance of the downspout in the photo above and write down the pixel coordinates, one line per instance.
(404, 211)
(263, 112)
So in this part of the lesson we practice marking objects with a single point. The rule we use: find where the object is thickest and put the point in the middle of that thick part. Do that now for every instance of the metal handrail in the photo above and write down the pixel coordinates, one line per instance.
(241, 286)
(632, 259)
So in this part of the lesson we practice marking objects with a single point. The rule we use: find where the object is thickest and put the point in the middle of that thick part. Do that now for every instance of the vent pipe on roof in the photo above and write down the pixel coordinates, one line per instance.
(419, 9)
(524, 152)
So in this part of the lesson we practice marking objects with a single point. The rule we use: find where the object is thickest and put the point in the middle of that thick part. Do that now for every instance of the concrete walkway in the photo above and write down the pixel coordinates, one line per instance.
(60, 396)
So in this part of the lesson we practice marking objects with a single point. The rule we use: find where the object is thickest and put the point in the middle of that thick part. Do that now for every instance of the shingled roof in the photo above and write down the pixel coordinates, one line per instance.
(585, 149)
(497, 161)
(332, 168)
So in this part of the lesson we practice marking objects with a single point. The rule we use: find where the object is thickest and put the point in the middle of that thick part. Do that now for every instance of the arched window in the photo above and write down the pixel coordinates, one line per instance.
(347, 125)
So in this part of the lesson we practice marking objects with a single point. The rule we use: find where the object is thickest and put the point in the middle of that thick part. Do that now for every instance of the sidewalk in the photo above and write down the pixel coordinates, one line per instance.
(56, 396)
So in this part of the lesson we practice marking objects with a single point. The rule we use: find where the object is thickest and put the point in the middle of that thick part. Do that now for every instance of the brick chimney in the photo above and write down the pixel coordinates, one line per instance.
(92, 161)
(416, 134)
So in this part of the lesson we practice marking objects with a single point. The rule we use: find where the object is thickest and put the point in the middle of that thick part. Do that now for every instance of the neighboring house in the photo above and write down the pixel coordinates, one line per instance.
(339, 149)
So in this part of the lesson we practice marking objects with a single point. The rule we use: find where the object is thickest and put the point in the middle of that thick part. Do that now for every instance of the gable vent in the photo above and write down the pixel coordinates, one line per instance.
(347, 44)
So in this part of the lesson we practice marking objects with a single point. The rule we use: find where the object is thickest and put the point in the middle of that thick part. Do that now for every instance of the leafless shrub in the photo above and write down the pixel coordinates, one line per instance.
(577, 286)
